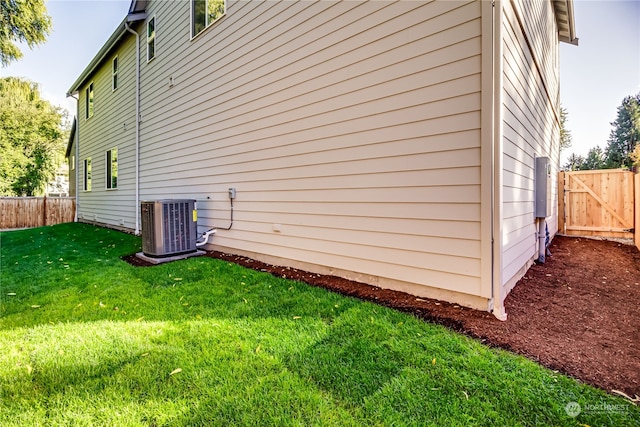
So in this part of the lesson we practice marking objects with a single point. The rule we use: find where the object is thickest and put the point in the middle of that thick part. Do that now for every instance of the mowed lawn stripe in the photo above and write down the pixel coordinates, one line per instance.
(90, 340)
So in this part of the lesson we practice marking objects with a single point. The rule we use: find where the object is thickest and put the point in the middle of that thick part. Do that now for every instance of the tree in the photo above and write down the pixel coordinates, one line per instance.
(594, 160)
(625, 135)
(22, 21)
(574, 163)
(636, 157)
(32, 135)
(565, 134)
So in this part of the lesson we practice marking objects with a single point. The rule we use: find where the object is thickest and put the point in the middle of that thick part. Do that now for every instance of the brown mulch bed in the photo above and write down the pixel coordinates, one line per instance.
(577, 313)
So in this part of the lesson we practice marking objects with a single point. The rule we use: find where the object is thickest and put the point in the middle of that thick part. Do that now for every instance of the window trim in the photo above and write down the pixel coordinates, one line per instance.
(207, 26)
(151, 39)
(115, 64)
(89, 101)
(87, 175)
(109, 162)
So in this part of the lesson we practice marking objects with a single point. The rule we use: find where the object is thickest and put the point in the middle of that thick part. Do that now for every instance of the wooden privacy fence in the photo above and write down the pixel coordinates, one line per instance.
(28, 212)
(597, 203)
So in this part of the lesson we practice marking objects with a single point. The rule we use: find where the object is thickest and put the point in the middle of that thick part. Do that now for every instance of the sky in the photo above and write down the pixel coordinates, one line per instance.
(594, 77)
(80, 29)
(601, 71)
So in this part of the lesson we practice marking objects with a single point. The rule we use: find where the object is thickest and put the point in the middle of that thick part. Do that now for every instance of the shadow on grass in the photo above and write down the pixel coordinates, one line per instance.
(207, 342)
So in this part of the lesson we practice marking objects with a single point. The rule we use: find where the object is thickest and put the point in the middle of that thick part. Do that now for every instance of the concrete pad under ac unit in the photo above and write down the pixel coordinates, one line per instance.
(162, 260)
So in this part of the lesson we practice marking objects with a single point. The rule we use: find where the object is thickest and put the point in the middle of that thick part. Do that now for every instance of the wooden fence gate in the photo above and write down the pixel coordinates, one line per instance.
(597, 203)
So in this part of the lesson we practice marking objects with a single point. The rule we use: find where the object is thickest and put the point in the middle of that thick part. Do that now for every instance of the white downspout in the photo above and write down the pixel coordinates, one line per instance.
(497, 146)
(126, 26)
(76, 160)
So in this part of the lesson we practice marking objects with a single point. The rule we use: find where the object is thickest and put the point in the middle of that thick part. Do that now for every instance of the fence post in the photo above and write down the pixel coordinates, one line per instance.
(561, 229)
(636, 226)
(44, 210)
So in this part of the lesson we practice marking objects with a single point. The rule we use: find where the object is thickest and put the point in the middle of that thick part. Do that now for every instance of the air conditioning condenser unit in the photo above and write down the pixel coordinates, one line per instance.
(169, 227)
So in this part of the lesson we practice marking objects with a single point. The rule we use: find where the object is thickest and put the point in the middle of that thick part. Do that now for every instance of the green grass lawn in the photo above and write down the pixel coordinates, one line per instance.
(86, 339)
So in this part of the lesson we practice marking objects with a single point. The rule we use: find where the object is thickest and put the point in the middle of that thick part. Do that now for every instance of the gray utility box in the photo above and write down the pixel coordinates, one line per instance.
(169, 227)
(543, 207)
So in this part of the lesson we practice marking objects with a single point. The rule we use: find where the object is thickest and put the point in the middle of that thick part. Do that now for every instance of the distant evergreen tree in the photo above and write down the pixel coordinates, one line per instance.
(594, 160)
(574, 163)
(625, 135)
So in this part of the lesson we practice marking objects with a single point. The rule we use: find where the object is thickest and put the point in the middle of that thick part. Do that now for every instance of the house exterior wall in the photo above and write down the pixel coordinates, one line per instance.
(531, 126)
(350, 127)
(355, 135)
(112, 125)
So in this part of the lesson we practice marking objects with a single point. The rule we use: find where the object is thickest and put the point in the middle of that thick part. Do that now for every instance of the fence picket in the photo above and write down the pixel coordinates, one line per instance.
(598, 203)
(29, 212)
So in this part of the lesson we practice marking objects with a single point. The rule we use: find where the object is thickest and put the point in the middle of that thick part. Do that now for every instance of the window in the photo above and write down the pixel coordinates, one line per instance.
(87, 174)
(114, 73)
(112, 168)
(151, 39)
(205, 13)
(89, 101)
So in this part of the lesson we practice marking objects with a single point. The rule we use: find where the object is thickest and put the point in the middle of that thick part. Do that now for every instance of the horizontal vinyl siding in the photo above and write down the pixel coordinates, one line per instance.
(354, 126)
(112, 125)
(531, 129)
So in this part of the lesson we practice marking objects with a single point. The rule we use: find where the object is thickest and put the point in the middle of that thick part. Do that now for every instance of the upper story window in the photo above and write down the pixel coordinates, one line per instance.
(112, 168)
(88, 100)
(151, 39)
(205, 13)
(114, 73)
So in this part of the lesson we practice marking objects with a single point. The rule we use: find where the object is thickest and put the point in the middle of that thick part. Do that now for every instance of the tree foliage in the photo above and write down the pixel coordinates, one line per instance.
(574, 163)
(594, 160)
(635, 156)
(32, 133)
(21, 21)
(623, 149)
(565, 133)
(625, 135)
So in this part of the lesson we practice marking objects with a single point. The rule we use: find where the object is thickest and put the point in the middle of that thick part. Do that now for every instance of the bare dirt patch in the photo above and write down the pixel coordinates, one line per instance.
(577, 313)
